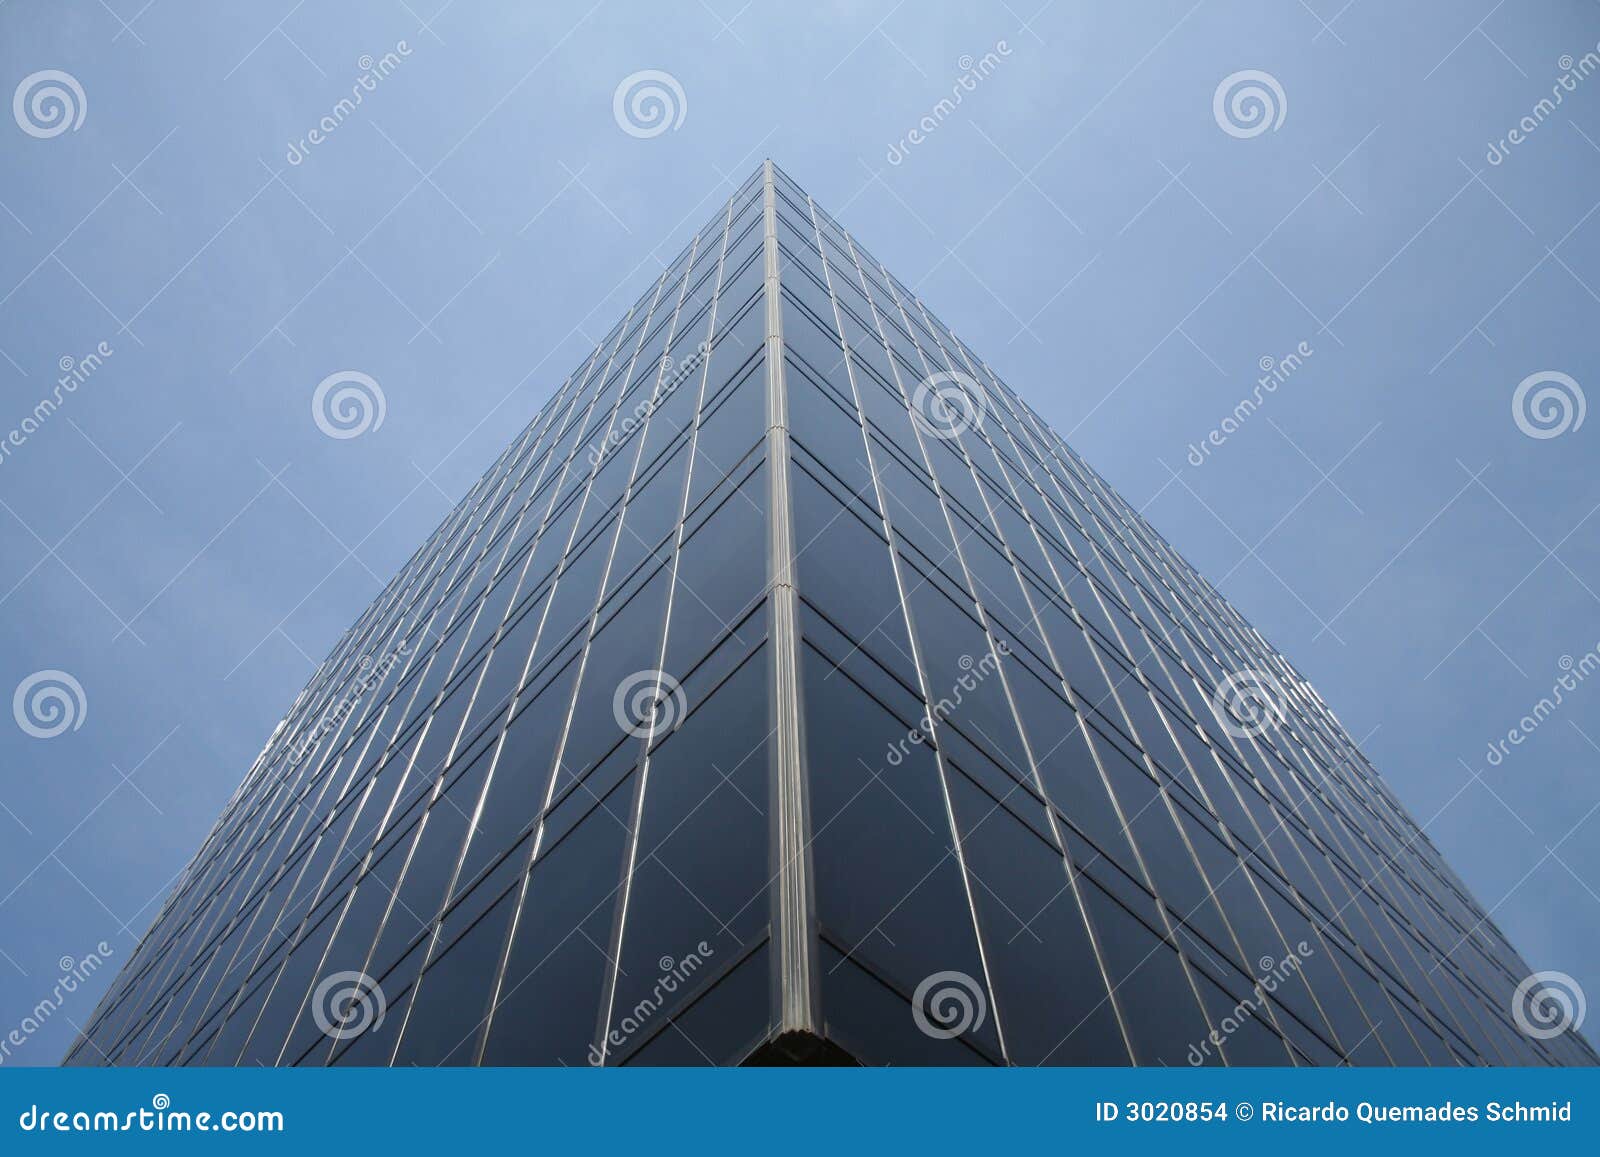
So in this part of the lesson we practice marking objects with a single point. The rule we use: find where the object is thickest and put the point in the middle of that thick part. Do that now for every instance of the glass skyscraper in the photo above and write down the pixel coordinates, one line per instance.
(789, 692)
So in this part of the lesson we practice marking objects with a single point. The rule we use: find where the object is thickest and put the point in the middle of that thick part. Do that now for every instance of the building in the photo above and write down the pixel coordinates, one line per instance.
(789, 692)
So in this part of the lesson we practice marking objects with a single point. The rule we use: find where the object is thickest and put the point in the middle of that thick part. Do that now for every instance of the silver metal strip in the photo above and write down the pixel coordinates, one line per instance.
(794, 942)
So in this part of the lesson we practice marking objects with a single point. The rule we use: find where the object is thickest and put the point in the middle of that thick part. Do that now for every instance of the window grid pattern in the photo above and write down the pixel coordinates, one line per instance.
(1013, 763)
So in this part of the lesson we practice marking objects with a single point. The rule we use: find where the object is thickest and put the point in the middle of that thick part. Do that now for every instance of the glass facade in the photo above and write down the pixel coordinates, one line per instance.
(788, 691)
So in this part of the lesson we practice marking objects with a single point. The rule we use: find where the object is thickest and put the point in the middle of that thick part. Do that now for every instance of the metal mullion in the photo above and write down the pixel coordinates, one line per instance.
(621, 332)
(622, 388)
(535, 843)
(795, 956)
(445, 539)
(1171, 935)
(253, 851)
(546, 460)
(313, 809)
(891, 544)
(965, 456)
(622, 502)
(1183, 835)
(507, 486)
(912, 633)
(267, 939)
(112, 997)
(233, 909)
(315, 898)
(1161, 787)
(438, 783)
(246, 945)
(608, 990)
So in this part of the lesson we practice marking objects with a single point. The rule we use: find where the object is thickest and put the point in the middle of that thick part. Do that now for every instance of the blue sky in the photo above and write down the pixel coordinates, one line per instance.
(183, 540)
